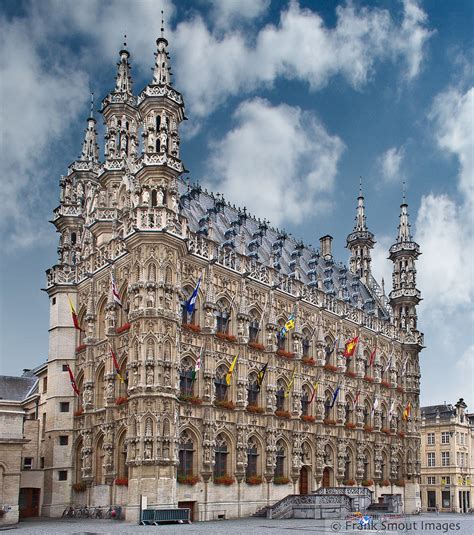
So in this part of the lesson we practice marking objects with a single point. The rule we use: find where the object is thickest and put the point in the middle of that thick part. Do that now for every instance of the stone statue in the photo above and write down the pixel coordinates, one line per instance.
(149, 375)
(159, 196)
(110, 389)
(148, 451)
(146, 197)
(123, 143)
(150, 298)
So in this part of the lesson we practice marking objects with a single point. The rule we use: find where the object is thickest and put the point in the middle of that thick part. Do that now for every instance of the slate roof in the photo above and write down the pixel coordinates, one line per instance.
(445, 411)
(233, 228)
(16, 388)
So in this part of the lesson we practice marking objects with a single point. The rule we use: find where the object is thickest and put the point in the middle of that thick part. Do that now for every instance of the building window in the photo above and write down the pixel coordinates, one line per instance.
(305, 403)
(27, 463)
(65, 366)
(53, 300)
(41, 462)
(186, 378)
(445, 499)
(186, 317)
(220, 466)
(431, 439)
(62, 475)
(280, 397)
(45, 384)
(431, 459)
(445, 437)
(431, 480)
(445, 458)
(222, 317)
(254, 327)
(220, 384)
(252, 456)
(63, 440)
(43, 425)
(252, 392)
(280, 460)
(448, 480)
(64, 406)
(306, 347)
(186, 454)
(431, 495)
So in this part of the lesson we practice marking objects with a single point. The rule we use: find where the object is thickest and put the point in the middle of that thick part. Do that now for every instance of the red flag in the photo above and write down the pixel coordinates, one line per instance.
(315, 389)
(350, 347)
(73, 381)
(75, 319)
(372, 357)
(116, 366)
(356, 400)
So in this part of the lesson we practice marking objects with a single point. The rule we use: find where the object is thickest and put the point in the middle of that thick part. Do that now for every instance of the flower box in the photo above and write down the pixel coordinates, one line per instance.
(308, 418)
(329, 421)
(224, 480)
(79, 412)
(121, 482)
(386, 431)
(399, 482)
(121, 400)
(224, 404)
(367, 482)
(351, 374)
(225, 336)
(188, 480)
(280, 480)
(256, 345)
(368, 428)
(80, 348)
(123, 328)
(254, 480)
(255, 408)
(191, 327)
(401, 434)
(79, 487)
(350, 425)
(369, 379)
(309, 362)
(282, 414)
(348, 482)
(188, 398)
(285, 354)
(330, 368)
(385, 483)
(386, 384)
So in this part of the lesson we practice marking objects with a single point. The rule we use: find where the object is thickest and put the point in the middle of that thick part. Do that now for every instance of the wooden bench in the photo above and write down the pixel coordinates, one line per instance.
(153, 517)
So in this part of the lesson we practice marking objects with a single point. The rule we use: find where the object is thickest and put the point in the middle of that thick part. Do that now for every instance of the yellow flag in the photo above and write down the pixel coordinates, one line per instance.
(290, 385)
(228, 377)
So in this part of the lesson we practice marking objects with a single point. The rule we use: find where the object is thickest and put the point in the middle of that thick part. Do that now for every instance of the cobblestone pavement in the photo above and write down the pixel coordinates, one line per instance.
(425, 524)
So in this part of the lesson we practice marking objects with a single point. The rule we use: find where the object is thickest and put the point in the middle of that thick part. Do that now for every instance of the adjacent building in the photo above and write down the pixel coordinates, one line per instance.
(447, 434)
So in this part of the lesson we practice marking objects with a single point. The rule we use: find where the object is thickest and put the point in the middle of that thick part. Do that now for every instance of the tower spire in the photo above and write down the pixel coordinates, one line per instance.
(90, 148)
(360, 217)
(161, 70)
(404, 225)
(123, 81)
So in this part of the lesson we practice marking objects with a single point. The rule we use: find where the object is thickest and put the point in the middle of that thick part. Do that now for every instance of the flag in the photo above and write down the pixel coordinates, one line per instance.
(356, 400)
(315, 389)
(334, 396)
(390, 412)
(328, 350)
(191, 302)
(290, 324)
(407, 411)
(404, 369)
(198, 365)
(116, 366)
(376, 404)
(115, 292)
(228, 377)
(372, 357)
(389, 364)
(350, 347)
(75, 319)
(290, 385)
(73, 381)
(261, 375)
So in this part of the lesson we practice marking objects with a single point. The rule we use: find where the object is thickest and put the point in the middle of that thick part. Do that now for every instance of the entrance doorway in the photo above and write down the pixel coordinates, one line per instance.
(190, 506)
(304, 472)
(327, 477)
(29, 502)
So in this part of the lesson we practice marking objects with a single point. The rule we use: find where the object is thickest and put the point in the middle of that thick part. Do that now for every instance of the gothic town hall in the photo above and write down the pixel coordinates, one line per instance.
(217, 363)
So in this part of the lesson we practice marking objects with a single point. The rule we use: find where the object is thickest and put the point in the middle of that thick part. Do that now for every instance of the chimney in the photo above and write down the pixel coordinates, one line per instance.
(326, 247)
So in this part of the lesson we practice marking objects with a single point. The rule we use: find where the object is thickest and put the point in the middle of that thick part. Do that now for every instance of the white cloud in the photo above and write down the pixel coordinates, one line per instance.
(382, 267)
(278, 161)
(390, 164)
(212, 68)
(230, 12)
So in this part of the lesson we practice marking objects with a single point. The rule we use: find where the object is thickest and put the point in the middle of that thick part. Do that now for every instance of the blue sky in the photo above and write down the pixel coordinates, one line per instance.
(288, 104)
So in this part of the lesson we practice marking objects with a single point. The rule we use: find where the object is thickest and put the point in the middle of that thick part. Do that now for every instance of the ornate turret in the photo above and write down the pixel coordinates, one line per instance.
(405, 296)
(360, 241)
(120, 114)
(90, 148)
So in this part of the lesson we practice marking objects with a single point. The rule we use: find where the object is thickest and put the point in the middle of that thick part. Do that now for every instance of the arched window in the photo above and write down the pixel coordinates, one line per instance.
(252, 458)
(99, 462)
(223, 316)
(280, 395)
(186, 376)
(349, 410)
(329, 350)
(186, 456)
(220, 466)
(306, 344)
(254, 326)
(158, 123)
(367, 414)
(220, 383)
(280, 459)
(122, 387)
(100, 388)
(73, 238)
(305, 401)
(327, 405)
(122, 468)
(384, 418)
(366, 465)
(157, 147)
(186, 317)
(282, 340)
(252, 391)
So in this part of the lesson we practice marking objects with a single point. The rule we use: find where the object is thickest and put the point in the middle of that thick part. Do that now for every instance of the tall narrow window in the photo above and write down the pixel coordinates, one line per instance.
(252, 457)
(223, 317)
(220, 466)
(252, 391)
(280, 460)
(280, 396)
(220, 384)
(253, 329)
(186, 374)
(305, 403)
(186, 455)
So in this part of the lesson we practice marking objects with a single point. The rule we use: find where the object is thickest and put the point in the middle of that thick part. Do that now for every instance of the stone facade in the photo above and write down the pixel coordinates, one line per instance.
(447, 449)
(228, 449)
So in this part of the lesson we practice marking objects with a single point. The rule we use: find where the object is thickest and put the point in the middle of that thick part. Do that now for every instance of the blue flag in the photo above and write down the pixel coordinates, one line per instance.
(191, 302)
(336, 392)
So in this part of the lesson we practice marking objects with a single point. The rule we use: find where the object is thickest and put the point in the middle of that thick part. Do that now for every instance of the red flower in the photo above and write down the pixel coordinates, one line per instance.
(307, 418)
(121, 400)
(254, 480)
(254, 408)
(255, 345)
(282, 414)
(286, 354)
(224, 404)
(191, 327)
(121, 482)
(224, 480)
